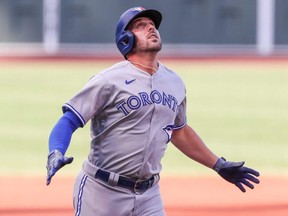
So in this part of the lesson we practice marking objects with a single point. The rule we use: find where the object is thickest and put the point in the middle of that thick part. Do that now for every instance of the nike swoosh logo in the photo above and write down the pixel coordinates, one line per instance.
(127, 82)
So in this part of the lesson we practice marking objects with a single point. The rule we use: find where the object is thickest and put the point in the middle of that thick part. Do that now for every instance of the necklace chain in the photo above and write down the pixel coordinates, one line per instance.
(144, 66)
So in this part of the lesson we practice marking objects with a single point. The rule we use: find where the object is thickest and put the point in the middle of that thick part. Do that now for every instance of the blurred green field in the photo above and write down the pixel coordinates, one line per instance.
(240, 109)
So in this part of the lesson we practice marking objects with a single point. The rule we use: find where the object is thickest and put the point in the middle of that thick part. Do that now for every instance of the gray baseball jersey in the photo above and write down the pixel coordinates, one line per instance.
(132, 117)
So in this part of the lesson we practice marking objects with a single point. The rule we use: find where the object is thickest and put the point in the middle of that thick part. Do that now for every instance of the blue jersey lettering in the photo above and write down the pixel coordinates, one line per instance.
(134, 102)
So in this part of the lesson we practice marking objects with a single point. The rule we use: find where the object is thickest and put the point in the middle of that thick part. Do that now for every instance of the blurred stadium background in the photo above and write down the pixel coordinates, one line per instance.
(189, 28)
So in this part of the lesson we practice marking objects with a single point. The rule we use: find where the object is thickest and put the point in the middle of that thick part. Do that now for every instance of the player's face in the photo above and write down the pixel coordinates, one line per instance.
(147, 36)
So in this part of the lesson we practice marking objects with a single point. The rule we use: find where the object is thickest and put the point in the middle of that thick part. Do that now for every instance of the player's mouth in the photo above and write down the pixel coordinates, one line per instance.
(153, 35)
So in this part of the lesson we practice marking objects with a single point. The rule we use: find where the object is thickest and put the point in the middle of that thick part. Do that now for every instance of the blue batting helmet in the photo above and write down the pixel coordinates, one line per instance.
(125, 38)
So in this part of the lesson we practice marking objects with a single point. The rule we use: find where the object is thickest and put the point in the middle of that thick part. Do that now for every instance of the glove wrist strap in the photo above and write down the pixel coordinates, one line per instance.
(219, 164)
(54, 152)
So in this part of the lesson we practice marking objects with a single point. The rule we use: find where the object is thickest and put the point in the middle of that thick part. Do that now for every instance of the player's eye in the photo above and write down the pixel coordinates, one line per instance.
(139, 25)
(152, 23)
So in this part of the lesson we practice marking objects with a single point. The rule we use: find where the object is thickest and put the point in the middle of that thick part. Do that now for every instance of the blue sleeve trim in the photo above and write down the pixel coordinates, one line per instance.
(179, 127)
(67, 106)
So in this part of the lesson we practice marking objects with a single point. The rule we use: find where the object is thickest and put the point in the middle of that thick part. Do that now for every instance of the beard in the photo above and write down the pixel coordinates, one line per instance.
(148, 46)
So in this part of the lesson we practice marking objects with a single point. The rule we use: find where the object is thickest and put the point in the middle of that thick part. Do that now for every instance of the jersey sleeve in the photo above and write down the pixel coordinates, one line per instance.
(181, 119)
(90, 100)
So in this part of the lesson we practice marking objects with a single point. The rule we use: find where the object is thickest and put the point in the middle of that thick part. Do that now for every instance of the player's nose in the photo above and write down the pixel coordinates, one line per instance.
(151, 27)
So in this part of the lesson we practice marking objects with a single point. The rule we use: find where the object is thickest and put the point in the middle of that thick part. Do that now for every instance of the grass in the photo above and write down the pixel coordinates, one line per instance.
(238, 108)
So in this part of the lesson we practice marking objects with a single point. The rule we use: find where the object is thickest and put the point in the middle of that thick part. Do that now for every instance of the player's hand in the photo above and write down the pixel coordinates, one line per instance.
(56, 161)
(236, 173)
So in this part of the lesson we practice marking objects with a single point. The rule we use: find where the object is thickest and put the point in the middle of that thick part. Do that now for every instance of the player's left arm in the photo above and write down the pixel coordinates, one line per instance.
(188, 141)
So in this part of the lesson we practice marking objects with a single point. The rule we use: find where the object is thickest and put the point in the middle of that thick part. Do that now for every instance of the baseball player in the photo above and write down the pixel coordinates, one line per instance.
(136, 107)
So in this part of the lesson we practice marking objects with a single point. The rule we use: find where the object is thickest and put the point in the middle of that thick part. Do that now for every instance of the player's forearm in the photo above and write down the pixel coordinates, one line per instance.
(188, 141)
(60, 136)
(62, 132)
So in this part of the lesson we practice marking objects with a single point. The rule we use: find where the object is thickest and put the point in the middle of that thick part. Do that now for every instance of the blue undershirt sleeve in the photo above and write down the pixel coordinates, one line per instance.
(61, 134)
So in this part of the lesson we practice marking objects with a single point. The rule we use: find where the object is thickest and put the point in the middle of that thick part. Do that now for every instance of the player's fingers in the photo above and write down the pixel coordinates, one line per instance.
(240, 186)
(49, 177)
(251, 178)
(68, 160)
(55, 166)
(251, 171)
(50, 173)
(48, 180)
(247, 183)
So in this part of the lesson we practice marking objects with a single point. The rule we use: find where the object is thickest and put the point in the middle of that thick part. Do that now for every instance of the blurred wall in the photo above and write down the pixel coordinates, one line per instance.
(281, 22)
(21, 21)
(184, 21)
(194, 22)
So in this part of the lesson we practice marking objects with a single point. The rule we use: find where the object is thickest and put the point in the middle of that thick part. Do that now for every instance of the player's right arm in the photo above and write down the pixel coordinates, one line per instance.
(59, 141)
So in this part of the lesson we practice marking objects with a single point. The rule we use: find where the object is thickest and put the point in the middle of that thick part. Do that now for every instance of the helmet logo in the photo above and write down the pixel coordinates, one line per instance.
(138, 9)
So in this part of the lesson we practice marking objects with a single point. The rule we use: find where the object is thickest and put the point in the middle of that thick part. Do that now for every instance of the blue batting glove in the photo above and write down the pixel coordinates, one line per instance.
(236, 173)
(56, 161)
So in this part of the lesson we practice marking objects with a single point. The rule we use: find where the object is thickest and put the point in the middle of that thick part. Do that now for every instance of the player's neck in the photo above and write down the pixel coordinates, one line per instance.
(148, 65)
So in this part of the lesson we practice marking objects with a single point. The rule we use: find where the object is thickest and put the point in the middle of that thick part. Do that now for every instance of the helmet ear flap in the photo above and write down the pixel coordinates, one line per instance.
(125, 42)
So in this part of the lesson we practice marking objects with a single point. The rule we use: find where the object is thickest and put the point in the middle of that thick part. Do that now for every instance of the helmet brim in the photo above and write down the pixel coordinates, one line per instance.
(154, 15)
